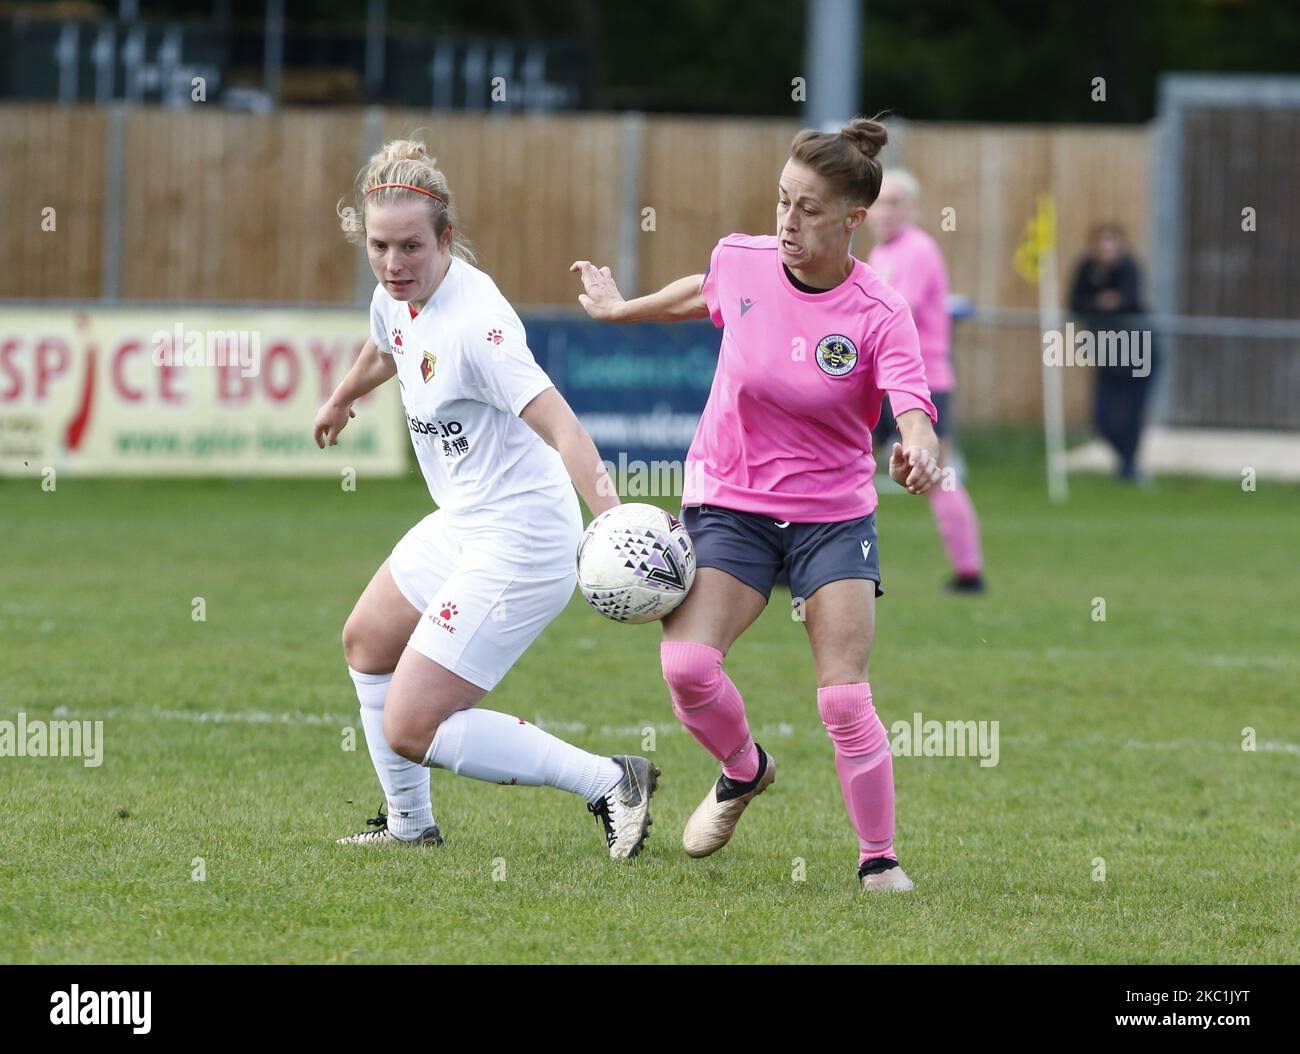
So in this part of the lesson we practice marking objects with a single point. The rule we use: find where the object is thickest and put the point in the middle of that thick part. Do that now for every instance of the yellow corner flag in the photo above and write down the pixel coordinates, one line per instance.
(1038, 240)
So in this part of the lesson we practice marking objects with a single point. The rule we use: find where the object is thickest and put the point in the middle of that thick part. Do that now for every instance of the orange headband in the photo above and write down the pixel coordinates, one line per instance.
(406, 186)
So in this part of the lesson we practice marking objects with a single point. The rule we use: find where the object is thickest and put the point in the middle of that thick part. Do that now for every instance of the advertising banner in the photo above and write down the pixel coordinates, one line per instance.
(639, 389)
(185, 392)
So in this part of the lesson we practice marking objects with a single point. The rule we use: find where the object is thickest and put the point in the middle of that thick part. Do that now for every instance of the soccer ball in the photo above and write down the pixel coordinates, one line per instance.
(636, 563)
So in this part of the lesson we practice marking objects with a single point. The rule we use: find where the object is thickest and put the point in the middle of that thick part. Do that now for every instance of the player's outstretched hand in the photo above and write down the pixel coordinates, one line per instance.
(915, 468)
(602, 298)
(330, 421)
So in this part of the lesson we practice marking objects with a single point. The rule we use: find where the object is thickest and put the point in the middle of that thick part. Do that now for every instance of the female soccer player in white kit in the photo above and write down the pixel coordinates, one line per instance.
(473, 584)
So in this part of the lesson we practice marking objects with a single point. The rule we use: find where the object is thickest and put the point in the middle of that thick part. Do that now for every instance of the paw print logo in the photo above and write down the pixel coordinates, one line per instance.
(495, 336)
(397, 337)
(448, 610)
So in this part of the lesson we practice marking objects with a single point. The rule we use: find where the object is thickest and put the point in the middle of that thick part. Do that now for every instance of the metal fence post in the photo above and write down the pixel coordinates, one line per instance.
(110, 279)
(629, 214)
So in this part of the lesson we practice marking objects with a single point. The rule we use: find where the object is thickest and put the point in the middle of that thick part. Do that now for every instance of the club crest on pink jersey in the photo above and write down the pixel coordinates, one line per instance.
(836, 355)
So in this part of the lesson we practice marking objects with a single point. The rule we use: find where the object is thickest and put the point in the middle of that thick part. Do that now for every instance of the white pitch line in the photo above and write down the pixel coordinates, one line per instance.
(780, 730)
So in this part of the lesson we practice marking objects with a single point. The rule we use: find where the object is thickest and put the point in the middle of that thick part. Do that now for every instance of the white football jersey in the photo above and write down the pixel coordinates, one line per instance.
(466, 373)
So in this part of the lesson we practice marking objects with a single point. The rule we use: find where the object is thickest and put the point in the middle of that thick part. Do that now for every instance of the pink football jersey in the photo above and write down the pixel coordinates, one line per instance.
(786, 432)
(912, 263)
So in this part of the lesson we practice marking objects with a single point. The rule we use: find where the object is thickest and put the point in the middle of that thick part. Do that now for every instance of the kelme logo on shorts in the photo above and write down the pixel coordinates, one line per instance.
(836, 355)
(446, 612)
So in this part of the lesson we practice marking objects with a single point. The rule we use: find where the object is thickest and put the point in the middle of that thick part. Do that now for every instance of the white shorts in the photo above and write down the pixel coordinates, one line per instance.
(479, 614)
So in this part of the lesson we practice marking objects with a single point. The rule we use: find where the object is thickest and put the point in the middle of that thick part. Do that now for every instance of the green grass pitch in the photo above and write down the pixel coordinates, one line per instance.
(1119, 740)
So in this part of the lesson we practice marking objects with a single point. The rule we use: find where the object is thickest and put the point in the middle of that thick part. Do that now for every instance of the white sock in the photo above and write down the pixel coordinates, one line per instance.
(486, 745)
(406, 784)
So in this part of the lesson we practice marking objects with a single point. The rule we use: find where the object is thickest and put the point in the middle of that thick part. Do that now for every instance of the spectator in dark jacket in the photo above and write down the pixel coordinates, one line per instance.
(1106, 287)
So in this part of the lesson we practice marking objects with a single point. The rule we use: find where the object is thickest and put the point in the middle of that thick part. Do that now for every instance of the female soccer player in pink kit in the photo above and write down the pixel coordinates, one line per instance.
(909, 260)
(780, 475)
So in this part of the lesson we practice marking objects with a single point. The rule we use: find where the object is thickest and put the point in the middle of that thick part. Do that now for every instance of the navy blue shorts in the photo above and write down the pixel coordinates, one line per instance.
(756, 548)
(887, 427)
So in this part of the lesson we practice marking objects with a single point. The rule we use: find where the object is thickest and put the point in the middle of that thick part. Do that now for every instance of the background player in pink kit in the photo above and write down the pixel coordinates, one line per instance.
(910, 261)
(779, 475)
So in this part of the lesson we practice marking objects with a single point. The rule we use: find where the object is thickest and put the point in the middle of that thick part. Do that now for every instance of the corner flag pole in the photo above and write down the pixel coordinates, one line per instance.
(1049, 315)
(1036, 261)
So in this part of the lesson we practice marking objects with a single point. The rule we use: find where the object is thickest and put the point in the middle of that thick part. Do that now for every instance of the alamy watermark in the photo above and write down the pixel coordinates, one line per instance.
(1125, 348)
(75, 1007)
(53, 739)
(634, 478)
(208, 348)
(945, 739)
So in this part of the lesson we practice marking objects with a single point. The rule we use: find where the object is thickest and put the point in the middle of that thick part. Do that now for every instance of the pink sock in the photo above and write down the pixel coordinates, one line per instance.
(959, 528)
(707, 703)
(864, 764)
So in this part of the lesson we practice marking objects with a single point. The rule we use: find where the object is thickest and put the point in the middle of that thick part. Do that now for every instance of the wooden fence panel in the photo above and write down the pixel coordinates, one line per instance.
(51, 157)
(223, 206)
(533, 193)
(705, 179)
(234, 206)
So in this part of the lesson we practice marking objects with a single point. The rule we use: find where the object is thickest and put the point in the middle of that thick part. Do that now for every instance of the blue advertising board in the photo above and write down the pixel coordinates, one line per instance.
(638, 389)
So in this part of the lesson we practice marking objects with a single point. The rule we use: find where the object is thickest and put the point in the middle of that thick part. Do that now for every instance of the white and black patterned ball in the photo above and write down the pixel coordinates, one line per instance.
(635, 563)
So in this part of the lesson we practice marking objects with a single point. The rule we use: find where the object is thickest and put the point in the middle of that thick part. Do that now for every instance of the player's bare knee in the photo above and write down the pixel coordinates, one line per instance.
(408, 739)
(841, 675)
(351, 640)
(358, 650)
(413, 748)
